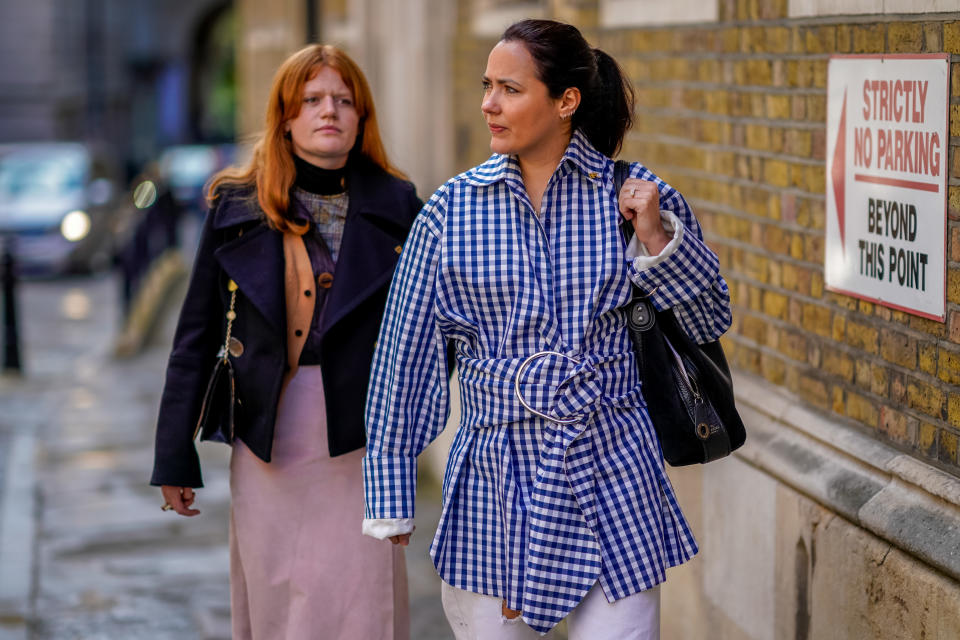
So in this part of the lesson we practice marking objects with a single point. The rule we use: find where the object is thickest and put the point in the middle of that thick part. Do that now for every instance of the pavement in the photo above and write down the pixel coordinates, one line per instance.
(85, 551)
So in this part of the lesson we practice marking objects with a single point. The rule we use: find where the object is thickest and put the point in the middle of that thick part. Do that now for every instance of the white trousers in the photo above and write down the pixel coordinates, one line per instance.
(473, 616)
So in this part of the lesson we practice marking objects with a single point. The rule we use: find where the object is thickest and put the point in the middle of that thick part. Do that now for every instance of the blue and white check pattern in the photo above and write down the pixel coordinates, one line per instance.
(534, 512)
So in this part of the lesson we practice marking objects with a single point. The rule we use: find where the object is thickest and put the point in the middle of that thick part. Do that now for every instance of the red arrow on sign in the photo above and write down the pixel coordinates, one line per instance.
(838, 170)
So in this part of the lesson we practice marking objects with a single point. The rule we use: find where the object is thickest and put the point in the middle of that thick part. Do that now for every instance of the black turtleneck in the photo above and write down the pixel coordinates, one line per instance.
(324, 182)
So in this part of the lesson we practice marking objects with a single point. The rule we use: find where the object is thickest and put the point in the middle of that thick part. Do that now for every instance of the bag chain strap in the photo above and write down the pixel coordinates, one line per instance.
(231, 316)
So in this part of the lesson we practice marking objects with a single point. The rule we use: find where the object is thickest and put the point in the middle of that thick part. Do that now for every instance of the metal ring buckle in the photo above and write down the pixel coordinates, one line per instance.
(516, 386)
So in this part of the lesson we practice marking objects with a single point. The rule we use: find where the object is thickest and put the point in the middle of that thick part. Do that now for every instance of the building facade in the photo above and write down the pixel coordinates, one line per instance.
(841, 516)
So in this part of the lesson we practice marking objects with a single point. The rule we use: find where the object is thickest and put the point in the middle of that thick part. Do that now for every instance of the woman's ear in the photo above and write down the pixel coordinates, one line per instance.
(569, 102)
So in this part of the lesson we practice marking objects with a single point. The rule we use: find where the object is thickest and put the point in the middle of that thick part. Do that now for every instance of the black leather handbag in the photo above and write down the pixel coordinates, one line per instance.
(686, 385)
(220, 398)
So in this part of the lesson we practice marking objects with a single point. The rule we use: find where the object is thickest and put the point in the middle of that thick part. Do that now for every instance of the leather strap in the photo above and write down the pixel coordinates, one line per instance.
(621, 171)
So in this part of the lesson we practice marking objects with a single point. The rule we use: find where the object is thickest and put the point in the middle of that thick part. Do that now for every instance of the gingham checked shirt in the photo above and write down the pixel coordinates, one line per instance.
(534, 511)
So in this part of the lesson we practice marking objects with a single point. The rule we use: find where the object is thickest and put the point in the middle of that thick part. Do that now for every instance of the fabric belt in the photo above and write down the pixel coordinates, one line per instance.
(563, 388)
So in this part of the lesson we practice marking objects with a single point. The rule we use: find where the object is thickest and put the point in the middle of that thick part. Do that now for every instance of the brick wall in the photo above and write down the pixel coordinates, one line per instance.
(733, 114)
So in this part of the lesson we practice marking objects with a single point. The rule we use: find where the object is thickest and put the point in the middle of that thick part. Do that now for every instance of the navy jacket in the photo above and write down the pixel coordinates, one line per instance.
(381, 210)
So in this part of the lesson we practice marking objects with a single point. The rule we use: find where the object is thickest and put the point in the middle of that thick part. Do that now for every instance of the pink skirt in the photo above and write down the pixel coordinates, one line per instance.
(299, 566)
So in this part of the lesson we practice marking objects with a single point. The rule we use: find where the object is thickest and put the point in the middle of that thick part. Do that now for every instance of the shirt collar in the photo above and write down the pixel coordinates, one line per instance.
(580, 155)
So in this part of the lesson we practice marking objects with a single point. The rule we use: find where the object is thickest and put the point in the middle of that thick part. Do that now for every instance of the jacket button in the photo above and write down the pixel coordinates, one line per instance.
(308, 293)
(325, 279)
(398, 249)
(298, 333)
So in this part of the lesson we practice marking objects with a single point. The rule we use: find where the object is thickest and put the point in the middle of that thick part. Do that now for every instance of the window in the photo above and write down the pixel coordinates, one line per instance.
(636, 13)
(490, 17)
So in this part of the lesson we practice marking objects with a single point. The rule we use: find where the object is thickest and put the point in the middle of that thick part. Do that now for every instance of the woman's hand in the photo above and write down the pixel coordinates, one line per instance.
(180, 499)
(640, 204)
(403, 539)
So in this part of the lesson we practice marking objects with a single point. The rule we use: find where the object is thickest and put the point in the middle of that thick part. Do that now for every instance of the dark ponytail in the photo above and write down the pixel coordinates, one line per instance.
(564, 59)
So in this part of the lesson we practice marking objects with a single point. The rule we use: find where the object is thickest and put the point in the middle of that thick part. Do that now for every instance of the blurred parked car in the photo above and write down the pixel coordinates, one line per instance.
(186, 168)
(57, 205)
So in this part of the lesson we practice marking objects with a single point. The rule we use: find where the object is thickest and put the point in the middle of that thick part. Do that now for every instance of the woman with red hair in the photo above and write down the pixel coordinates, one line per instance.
(296, 254)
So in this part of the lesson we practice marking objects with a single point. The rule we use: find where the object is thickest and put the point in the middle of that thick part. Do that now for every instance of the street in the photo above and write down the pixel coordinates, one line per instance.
(85, 551)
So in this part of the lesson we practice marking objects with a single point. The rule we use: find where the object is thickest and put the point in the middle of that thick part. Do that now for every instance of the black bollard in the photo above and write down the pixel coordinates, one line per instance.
(11, 338)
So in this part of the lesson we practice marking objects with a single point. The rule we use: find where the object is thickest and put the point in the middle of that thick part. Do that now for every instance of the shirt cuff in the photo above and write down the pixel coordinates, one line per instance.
(637, 251)
(383, 528)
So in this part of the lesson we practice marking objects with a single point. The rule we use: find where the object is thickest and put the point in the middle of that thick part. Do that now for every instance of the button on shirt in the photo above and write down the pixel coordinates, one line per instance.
(535, 511)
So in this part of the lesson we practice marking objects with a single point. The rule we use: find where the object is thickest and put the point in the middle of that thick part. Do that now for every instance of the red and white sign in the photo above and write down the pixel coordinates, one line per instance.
(887, 144)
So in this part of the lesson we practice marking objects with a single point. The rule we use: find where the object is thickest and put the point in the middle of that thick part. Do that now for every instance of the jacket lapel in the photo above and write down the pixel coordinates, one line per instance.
(254, 260)
(372, 236)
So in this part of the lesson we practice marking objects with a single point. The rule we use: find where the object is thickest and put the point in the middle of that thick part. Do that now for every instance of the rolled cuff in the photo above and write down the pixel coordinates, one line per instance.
(383, 528)
(637, 251)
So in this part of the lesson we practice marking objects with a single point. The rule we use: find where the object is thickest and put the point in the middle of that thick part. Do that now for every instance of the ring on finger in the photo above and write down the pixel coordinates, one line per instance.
(166, 506)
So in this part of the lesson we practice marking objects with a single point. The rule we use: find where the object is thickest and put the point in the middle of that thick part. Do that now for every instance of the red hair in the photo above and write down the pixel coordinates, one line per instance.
(271, 167)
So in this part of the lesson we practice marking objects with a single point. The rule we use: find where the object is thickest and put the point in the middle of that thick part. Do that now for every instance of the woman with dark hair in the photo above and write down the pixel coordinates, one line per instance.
(295, 257)
(555, 500)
